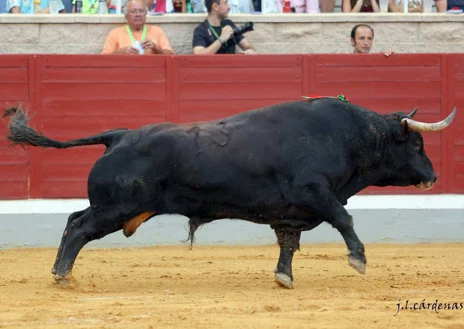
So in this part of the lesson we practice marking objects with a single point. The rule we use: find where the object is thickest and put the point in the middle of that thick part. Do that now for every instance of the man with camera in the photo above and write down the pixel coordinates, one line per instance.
(218, 35)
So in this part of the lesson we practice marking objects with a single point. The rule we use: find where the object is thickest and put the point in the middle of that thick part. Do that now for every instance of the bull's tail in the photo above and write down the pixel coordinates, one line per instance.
(20, 132)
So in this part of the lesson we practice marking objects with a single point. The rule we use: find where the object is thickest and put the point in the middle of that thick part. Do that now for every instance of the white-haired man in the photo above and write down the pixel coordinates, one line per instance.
(136, 37)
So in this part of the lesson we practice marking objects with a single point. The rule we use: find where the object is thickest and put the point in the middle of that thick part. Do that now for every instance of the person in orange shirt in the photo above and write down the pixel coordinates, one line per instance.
(137, 37)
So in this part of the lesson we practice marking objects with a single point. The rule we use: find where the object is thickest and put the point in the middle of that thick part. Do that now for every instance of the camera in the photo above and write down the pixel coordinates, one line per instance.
(243, 29)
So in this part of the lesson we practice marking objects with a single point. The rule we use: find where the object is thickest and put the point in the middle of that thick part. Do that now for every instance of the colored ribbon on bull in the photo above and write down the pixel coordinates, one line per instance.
(144, 32)
(339, 97)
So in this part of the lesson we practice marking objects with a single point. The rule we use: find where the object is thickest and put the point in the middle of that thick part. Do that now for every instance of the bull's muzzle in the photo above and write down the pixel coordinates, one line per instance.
(428, 185)
(425, 186)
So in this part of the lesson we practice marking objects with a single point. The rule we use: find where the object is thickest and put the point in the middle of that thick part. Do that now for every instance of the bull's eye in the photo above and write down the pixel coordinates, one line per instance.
(417, 146)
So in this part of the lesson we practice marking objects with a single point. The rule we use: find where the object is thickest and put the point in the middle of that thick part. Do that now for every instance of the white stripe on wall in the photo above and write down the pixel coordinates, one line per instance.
(442, 201)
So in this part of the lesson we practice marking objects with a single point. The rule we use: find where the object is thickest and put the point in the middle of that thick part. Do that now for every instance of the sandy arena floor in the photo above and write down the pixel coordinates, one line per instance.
(233, 287)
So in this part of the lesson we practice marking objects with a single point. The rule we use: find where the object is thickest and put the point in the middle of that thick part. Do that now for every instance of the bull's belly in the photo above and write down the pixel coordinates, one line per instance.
(260, 204)
(253, 213)
(276, 215)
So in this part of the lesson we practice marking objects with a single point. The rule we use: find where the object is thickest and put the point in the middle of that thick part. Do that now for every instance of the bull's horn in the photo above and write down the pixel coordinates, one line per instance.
(411, 115)
(425, 127)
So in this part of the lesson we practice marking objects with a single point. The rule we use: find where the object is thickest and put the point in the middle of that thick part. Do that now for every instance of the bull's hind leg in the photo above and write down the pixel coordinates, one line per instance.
(82, 230)
(289, 242)
(71, 218)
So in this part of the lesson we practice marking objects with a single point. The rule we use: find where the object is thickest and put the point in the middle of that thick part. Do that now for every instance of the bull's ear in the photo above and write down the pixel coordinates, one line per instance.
(404, 134)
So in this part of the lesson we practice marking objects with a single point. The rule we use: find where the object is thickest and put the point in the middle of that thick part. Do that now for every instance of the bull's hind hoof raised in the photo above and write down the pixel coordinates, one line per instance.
(284, 280)
(357, 264)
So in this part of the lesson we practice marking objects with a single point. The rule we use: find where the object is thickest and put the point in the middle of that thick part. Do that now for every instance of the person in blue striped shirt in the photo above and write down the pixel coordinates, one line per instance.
(27, 6)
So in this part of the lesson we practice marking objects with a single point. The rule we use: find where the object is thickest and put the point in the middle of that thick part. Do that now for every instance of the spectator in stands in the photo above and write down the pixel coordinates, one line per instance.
(164, 6)
(415, 6)
(306, 6)
(136, 35)
(67, 5)
(441, 5)
(327, 6)
(198, 6)
(27, 7)
(362, 37)
(360, 6)
(89, 7)
(453, 4)
(215, 35)
(241, 6)
(2, 6)
(314, 6)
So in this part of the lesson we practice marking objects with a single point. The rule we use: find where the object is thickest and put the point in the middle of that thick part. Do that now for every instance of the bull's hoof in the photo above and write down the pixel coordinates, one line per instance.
(284, 280)
(53, 270)
(63, 281)
(357, 264)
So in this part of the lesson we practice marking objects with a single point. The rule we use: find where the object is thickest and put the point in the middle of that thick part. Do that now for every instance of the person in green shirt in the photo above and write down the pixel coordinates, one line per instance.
(88, 6)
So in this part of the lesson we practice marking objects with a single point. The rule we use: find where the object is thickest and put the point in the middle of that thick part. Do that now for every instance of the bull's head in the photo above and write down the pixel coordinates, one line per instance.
(408, 161)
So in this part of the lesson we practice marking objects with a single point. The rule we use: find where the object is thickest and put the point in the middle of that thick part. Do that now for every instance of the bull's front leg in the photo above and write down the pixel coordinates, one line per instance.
(326, 206)
(289, 242)
(356, 256)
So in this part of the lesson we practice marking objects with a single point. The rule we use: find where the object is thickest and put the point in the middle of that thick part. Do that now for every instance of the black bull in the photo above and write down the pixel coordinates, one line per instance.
(291, 165)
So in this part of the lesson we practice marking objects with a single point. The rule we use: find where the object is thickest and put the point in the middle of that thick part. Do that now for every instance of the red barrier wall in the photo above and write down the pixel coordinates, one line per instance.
(74, 96)
(15, 78)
